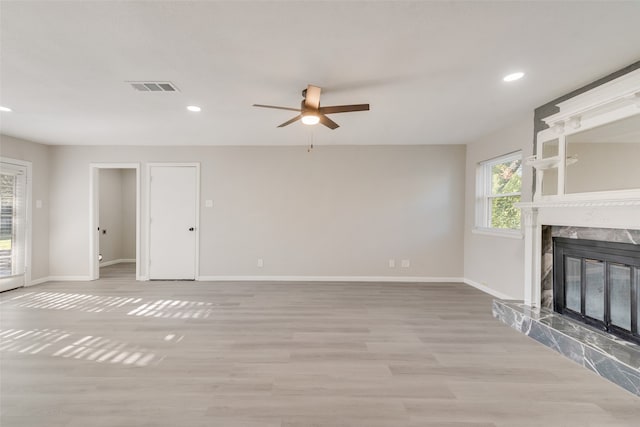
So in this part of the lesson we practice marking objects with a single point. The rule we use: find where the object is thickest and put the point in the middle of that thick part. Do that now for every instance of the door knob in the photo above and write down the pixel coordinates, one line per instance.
(191, 229)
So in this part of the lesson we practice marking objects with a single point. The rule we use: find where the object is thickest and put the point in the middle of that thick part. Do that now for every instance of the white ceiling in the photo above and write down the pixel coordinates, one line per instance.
(430, 70)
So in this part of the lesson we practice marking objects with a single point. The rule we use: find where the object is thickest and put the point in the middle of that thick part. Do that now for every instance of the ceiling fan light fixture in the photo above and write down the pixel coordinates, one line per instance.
(310, 111)
(310, 119)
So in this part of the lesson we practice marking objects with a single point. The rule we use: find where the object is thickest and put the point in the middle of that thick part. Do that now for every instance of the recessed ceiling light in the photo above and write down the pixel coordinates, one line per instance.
(194, 108)
(513, 76)
(5, 109)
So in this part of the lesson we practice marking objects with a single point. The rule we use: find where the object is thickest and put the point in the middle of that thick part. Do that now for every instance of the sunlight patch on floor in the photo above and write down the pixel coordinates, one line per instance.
(58, 343)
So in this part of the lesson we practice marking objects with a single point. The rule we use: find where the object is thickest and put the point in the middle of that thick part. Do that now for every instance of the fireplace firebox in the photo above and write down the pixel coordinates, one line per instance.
(598, 283)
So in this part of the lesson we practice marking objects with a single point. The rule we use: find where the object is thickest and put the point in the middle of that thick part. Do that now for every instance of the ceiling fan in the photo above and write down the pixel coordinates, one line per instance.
(312, 113)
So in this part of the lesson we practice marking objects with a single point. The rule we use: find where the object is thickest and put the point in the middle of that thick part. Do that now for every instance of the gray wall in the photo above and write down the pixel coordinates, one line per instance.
(335, 211)
(496, 261)
(38, 155)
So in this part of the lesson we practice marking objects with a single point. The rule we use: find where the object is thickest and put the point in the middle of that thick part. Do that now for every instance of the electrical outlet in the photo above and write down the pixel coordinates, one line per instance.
(406, 263)
(260, 263)
(392, 263)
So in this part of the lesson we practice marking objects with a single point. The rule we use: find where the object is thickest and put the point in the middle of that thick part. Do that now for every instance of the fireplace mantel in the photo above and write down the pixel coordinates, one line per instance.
(579, 203)
(604, 213)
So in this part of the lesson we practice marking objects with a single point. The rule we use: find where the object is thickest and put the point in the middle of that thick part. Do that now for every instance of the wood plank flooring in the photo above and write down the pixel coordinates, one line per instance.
(116, 352)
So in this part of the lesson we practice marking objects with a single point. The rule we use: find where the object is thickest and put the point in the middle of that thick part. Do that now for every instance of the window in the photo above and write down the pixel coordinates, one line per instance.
(13, 180)
(499, 183)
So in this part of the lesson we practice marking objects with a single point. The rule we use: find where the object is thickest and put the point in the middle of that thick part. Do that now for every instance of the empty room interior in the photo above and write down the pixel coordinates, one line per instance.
(319, 213)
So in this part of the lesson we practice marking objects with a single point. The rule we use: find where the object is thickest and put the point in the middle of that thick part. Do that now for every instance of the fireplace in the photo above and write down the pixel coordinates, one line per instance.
(598, 283)
(582, 298)
(582, 232)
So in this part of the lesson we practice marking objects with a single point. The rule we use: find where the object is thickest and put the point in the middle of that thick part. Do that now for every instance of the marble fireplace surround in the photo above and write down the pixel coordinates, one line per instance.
(605, 220)
(570, 232)
(616, 220)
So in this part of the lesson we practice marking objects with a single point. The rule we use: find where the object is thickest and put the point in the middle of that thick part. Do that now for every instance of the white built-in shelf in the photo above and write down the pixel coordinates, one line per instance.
(548, 162)
(544, 163)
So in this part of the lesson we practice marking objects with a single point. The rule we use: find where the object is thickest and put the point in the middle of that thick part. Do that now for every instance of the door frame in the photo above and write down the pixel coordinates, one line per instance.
(94, 211)
(147, 218)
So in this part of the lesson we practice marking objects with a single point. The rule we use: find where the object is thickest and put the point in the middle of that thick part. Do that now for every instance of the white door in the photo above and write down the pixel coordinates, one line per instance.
(173, 194)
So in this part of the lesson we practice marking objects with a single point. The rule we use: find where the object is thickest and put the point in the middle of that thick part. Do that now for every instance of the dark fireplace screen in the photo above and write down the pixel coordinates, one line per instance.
(598, 283)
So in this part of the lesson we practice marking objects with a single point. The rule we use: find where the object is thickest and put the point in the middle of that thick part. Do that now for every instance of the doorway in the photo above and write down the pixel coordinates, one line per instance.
(115, 221)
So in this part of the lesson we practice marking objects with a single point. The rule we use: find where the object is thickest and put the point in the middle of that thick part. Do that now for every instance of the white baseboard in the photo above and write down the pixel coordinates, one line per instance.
(391, 279)
(37, 282)
(58, 279)
(488, 290)
(69, 279)
(396, 279)
(406, 279)
(115, 261)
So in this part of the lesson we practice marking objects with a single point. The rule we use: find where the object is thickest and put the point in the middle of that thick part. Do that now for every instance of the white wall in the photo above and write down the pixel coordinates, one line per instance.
(336, 211)
(38, 155)
(496, 262)
(117, 214)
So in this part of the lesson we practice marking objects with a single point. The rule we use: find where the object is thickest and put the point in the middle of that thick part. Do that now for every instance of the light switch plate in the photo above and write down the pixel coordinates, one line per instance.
(208, 203)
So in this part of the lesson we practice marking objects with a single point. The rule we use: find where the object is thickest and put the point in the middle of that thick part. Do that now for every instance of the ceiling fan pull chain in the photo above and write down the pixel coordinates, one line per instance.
(311, 142)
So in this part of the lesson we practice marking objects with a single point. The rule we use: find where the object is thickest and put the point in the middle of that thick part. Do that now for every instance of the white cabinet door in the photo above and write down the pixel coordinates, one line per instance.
(173, 193)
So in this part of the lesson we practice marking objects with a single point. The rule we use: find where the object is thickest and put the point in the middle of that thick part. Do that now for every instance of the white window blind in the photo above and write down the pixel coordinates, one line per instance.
(13, 218)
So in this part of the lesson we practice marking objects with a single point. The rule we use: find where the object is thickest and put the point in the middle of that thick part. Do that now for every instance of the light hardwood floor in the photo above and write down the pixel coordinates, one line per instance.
(116, 352)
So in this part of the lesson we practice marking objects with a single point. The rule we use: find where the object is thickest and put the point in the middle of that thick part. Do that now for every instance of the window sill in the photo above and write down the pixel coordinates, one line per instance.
(496, 232)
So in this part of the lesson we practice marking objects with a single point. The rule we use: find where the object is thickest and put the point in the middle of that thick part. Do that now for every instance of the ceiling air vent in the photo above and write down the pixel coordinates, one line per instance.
(154, 86)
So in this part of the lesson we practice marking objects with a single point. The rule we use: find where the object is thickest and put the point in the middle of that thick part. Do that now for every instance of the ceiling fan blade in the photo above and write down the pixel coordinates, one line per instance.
(276, 107)
(288, 122)
(328, 122)
(312, 99)
(343, 108)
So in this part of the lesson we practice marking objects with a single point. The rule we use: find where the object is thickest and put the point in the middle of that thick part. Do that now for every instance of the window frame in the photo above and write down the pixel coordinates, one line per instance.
(484, 196)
